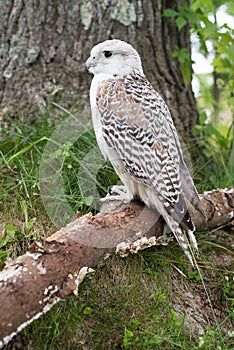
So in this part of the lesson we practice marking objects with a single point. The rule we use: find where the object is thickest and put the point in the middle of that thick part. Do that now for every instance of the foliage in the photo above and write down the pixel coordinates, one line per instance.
(14, 236)
(212, 38)
(216, 143)
(182, 16)
(220, 38)
(216, 99)
(184, 58)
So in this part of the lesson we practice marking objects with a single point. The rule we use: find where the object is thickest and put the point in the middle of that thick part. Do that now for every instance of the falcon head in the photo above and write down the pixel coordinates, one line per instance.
(114, 57)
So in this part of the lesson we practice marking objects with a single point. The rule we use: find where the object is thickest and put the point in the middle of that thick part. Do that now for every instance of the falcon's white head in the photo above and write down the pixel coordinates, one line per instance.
(114, 57)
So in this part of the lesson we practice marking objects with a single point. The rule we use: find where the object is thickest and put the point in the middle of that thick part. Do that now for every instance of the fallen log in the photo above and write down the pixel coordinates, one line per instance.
(53, 268)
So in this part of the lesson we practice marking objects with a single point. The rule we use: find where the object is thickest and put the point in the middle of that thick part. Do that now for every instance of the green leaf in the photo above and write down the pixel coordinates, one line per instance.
(210, 31)
(11, 229)
(170, 13)
(13, 234)
(173, 315)
(56, 153)
(180, 22)
(184, 55)
(127, 338)
(161, 296)
(4, 242)
(88, 200)
(30, 225)
(175, 53)
(191, 16)
(186, 71)
(202, 118)
(87, 310)
(194, 275)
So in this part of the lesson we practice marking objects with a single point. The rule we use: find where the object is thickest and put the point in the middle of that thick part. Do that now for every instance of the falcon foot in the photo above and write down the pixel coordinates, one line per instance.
(117, 193)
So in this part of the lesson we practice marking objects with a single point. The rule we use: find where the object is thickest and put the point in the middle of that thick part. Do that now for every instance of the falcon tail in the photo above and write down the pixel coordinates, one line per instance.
(181, 239)
(180, 222)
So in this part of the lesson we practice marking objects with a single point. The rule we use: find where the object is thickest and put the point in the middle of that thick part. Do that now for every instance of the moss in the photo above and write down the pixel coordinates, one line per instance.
(19, 45)
(33, 53)
(86, 14)
(124, 12)
(105, 4)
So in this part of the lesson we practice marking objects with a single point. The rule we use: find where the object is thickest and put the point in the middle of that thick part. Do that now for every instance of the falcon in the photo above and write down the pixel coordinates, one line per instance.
(135, 131)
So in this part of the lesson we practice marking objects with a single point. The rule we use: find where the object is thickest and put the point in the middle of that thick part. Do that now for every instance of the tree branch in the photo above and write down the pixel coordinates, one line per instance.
(53, 267)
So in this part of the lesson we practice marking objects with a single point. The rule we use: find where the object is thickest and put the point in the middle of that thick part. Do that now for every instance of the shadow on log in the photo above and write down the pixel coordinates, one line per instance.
(53, 268)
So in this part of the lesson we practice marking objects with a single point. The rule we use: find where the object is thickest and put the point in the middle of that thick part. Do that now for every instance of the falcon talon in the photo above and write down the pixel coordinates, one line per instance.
(109, 190)
(117, 190)
(109, 198)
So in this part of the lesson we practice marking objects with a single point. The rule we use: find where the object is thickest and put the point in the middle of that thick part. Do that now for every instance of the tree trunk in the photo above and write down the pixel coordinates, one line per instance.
(45, 43)
(54, 267)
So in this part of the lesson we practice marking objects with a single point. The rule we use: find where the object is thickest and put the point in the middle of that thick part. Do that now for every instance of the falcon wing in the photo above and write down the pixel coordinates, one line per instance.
(162, 124)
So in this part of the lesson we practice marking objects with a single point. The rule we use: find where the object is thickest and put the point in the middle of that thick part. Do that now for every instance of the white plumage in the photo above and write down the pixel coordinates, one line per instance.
(135, 131)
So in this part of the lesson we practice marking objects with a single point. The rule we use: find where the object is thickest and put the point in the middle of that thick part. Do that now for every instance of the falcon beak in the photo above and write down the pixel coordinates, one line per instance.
(90, 63)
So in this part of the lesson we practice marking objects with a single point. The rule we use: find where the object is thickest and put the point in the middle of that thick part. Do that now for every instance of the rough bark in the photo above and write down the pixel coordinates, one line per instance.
(53, 268)
(45, 43)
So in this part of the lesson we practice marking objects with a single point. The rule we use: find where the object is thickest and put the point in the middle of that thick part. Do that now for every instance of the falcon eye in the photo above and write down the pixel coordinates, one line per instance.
(107, 54)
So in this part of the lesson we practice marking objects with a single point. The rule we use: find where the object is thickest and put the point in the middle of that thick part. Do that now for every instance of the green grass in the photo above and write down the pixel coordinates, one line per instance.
(139, 302)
